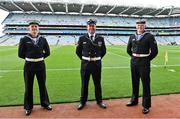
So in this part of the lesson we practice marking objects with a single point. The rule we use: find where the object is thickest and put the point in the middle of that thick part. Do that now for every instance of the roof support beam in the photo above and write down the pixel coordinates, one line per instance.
(16, 5)
(152, 11)
(111, 9)
(138, 11)
(52, 10)
(33, 6)
(82, 7)
(96, 9)
(160, 12)
(125, 10)
(170, 12)
(66, 7)
(3, 8)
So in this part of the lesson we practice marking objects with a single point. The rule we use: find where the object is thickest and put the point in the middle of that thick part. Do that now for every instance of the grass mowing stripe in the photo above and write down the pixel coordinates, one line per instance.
(118, 55)
(74, 69)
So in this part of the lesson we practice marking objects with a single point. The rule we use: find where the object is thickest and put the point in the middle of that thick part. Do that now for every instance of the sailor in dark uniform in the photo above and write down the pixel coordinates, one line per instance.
(34, 49)
(90, 50)
(142, 47)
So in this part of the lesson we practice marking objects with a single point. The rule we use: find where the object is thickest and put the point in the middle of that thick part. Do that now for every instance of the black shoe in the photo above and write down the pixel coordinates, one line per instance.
(81, 106)
(48, 108)
(102, 105)
(145, 110)
(131, 104)
(28, 112)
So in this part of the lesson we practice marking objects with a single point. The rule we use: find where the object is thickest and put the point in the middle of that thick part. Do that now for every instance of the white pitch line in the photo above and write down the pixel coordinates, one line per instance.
(171, 70)
(153, 65)
(118, 55)
(126, 57)
(173, 50)
(76, 69)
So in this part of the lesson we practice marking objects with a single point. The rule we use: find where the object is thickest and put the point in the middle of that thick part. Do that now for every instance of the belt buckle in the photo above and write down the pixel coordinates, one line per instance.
(138, 55)
(92, 59)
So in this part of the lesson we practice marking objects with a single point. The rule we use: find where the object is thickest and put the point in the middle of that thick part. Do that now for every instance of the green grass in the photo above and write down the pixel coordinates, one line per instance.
(63, 75)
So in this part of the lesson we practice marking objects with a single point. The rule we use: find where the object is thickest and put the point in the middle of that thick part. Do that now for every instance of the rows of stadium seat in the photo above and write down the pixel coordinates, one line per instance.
(11, 40)
(72, 40)
(116, 40)
(68, 31)
(49, 19)
(5, 38)
(56, 19)
(167, 40)
(61, 40)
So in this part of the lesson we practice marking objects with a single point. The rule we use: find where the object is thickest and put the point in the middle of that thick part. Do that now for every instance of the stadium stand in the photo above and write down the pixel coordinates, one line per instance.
(63, 25)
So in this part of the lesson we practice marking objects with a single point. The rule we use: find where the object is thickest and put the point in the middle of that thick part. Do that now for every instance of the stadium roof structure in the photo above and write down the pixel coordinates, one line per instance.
(81, 8)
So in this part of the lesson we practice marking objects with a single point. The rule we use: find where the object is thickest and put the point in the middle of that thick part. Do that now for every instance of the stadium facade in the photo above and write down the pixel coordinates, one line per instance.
(62, 23)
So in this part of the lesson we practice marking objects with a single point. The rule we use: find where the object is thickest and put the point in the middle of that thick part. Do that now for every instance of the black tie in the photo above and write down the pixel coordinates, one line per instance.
(91, 38)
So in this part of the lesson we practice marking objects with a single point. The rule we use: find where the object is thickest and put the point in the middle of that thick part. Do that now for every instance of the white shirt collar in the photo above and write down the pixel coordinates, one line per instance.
(91, 35)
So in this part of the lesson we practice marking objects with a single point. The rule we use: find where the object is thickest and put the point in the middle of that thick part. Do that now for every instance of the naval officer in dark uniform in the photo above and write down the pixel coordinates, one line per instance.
(142, 47)
(90, 50)
(34, 48)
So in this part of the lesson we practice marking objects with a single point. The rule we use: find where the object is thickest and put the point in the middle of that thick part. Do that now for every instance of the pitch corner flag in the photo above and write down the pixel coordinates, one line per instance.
(165, 59)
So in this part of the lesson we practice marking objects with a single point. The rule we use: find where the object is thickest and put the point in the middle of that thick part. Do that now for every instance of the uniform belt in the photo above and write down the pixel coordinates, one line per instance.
(140, 55)
(91, 58)
(34, 60)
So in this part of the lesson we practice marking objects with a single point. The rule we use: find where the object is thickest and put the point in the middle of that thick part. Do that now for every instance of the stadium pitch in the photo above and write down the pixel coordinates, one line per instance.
(63, 75)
